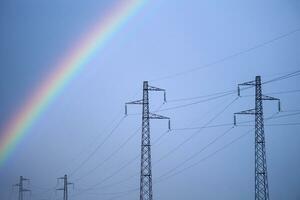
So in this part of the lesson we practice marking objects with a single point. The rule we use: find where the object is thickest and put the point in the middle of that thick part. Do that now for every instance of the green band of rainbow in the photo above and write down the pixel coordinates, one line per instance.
(85, 49)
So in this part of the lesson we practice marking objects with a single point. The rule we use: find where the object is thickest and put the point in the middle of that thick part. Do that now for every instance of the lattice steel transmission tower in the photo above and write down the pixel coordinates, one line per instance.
(20, 185)
(261, 175)
(65, 187)
(146, 171)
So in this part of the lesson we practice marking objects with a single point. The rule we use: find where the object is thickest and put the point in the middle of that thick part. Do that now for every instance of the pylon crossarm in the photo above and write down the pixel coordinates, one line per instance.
(246, 112)
(156, 116)
(151, 88)
(268, 98)
(135, 102)
(73, 185)
(265, 97)
(132, 102)
(250, 83)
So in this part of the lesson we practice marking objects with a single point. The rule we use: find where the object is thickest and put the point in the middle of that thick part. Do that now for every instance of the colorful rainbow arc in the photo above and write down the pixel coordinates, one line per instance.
(66, 70)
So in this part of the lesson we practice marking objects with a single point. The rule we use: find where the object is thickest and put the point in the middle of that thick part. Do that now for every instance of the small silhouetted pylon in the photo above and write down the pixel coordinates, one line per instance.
(65, 187)
(146, 173)
(261, 175)
(21, 188)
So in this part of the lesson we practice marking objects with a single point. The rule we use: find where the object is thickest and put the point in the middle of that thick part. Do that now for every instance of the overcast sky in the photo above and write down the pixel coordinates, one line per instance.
(164, 38)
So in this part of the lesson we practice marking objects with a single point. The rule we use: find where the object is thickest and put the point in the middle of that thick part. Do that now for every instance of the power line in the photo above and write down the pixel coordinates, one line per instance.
(135, 175)
(230, 124)
(287, 115)
(110, 156)
(111, 193)
(279, 92)
(188, 104)
(194, 134)
(284, 92)
(273, 117)
(193, 103)
(111, 184)
(291, 111)
(163, 178)
(115, 152)
(208, 145)
(208, 65)
(281, 124)
(117, 171)
(113, 174)
(92, 143)
(131, 176)
(43, 192)
(123, 167)
(217, 95)
(204, 148)
(242, 123)
(284, 77)
(203, 127)
(202, 96)
(198, 152)
(165, 175)
(160, 179)
(289, 75)
(120, 169)
(97, 148)
(155, 142)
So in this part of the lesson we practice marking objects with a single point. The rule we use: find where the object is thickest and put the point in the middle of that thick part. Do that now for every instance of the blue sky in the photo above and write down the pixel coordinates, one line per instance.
(164, 38)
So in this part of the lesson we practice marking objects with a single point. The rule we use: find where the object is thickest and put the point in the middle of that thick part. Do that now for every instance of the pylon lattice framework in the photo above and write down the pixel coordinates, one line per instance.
(65, 187)
(20, 185)
(261, 175)
(146, 170)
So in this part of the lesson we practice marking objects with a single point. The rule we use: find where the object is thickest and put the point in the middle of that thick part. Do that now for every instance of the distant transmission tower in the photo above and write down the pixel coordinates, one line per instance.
(65, 188)
(146, 173)
(261, 175)
(20, 185)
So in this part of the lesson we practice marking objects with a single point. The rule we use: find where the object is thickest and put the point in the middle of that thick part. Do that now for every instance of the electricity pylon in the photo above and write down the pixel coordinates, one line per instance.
(65, 188)
(20, 185)
(261, 175)
(146, 171)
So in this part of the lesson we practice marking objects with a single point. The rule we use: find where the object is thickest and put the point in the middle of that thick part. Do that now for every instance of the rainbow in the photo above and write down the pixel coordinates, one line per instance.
(64, 72)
